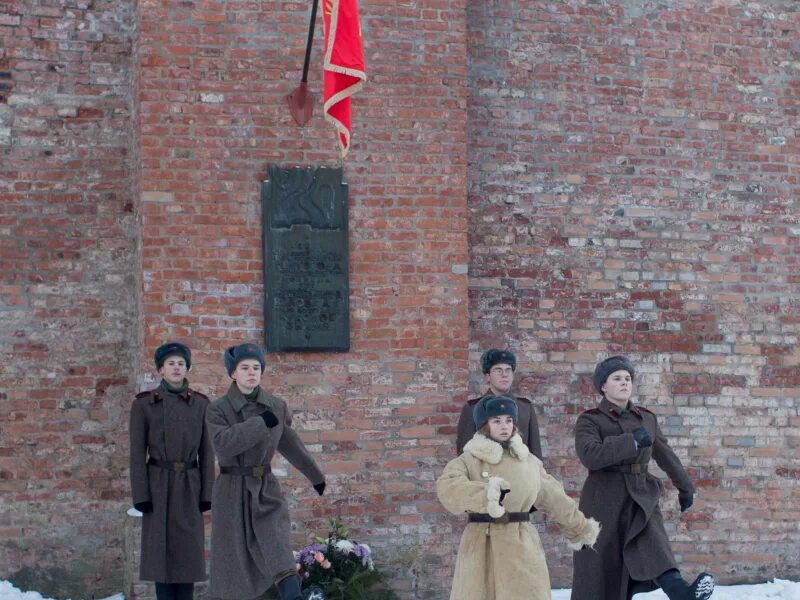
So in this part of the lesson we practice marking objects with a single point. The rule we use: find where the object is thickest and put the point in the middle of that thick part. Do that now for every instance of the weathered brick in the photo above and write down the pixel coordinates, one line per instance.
(623, 197)
(68, 255)
(623, 180)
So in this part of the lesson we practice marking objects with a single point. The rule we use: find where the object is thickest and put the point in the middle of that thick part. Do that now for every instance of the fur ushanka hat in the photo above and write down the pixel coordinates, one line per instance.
(164, 351)
(236, 354)
(494, 357)
(611, 365)
(494, 406)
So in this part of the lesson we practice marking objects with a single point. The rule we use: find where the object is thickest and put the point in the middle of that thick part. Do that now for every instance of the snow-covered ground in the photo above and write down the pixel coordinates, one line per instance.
(778, 589)
(9, 592)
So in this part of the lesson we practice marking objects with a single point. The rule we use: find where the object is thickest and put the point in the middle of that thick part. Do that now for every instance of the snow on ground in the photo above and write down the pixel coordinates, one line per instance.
(779, 589)
(9, 592)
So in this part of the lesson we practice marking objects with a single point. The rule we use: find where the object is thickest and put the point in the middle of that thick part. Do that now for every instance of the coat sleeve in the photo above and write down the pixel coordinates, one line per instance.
(140, 484)
(459, 494)
(554, 501)
(205, 457)
(534, 441)
(294, 450)
(596, 452)
(669, 462)
(466, 428)
(231, 439)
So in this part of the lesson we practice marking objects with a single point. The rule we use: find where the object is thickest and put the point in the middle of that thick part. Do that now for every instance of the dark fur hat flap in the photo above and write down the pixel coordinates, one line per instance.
(494, 357)
(611, 365)
(236, 354)
(164, 351)
(494, 406)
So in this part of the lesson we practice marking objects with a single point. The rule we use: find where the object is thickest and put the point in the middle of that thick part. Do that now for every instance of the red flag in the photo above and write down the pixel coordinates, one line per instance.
(343, 68)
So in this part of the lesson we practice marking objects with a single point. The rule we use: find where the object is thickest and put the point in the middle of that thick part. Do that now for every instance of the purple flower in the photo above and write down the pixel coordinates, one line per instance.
(306, 555)
(363, 552)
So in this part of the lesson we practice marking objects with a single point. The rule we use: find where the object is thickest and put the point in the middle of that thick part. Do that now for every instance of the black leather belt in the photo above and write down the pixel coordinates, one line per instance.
(509, 517)
(634, 468)
(257, 471)
(172, 465)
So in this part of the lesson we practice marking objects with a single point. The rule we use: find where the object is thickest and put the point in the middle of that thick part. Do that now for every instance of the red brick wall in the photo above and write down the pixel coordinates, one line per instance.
(68, 329)
(633, 188)
(632, 182)
(213, 116)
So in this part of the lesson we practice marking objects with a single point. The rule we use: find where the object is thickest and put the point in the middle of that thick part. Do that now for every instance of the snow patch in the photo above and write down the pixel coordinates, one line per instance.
(9, 592)
(778, 589)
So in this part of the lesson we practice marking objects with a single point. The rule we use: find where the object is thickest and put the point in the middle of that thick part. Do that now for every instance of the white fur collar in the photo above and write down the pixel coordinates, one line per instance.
(487, 450)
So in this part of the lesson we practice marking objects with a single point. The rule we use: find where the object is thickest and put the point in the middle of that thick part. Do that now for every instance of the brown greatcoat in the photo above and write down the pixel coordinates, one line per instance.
(505, 561)
(633, 548)
(169, 426)
(250, 518)
(527, 425)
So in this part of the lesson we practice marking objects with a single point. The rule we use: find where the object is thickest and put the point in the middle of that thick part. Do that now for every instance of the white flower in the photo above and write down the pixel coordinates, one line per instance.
(345, 546)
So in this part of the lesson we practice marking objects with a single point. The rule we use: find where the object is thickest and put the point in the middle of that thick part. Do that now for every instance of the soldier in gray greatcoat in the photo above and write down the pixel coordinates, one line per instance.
(616, 441)
(250, 520)
(498, 368)
(171, 472)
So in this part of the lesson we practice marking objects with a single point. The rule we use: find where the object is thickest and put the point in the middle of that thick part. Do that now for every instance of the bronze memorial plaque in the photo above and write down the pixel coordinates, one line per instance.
(306, 286)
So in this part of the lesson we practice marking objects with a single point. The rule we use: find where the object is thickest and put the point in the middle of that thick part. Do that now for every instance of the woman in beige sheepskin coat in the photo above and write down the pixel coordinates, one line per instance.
(505, 560)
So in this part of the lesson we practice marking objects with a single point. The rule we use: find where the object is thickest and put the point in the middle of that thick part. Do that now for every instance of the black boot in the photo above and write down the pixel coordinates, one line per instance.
(289, 588)
(703, 587)
(165, 591)
(184, 591)
(676, 588)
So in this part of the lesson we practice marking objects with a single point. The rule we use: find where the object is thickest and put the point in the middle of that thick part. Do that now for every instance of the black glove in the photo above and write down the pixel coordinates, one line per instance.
(642, 438)
(320, 487)
(144, 507)
(502, 496)
(205, 506)
(270, 420)
(685, 502)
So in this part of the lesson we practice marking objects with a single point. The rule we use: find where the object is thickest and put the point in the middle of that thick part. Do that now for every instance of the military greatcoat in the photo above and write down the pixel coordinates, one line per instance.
(505, 561)
(633, 548)
(250, 518)
(169, 426)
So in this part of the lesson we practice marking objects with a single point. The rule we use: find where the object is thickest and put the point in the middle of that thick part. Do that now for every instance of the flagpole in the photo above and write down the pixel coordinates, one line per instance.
(310, 39)
(301, 101)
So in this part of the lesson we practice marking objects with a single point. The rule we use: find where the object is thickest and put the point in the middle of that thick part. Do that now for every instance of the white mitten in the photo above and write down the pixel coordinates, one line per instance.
(493, 506)
(589, 536)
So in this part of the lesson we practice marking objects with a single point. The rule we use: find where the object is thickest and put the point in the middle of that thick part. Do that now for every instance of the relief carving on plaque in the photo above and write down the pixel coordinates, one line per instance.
(306, 283)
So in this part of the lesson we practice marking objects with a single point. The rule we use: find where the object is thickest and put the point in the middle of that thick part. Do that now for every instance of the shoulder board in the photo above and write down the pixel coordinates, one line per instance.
(522, 399)
(199, 395)
(592, 411)
(151, 396)
(647, 410)
(473, 401)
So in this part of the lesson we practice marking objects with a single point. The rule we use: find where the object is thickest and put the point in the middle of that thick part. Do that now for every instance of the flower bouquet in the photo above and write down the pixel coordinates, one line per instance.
(336, 568)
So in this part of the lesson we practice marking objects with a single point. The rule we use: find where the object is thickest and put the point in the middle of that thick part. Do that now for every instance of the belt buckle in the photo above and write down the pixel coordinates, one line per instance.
(504, 519)
(258, 471)
(178, 466)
